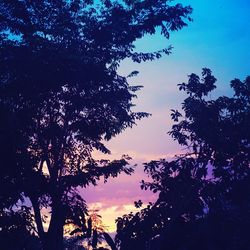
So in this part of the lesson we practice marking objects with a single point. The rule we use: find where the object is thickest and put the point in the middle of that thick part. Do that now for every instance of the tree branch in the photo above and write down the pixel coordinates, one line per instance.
(38, 218)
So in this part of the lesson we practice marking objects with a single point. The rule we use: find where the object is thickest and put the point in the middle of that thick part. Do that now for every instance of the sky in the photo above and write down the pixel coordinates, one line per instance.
(219, 39)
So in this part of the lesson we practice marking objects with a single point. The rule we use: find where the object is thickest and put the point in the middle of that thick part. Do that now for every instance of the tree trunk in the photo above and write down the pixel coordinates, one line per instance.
(54, 237)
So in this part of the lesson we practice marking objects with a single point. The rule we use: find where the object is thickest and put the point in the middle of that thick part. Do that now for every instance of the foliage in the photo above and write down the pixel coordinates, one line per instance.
(203, 200)
(90, 231)
(61, 96)
(16, 230)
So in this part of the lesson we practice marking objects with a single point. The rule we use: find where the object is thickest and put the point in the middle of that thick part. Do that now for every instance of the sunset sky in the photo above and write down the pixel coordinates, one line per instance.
(219, 39)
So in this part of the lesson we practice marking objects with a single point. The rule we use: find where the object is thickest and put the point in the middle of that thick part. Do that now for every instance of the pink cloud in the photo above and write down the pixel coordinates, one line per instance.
(116, 197)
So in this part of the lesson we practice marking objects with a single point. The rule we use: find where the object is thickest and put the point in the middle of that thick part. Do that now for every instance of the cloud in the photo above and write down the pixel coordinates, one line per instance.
(111, 213)
(116, 197)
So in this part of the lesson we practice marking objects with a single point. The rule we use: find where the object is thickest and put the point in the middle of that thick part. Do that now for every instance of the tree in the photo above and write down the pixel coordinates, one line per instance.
(61, 97)
(89, 232)
(203, 197)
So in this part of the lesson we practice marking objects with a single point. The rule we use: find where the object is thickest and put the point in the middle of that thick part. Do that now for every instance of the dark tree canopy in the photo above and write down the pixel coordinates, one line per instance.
(61, 96)
(203, 200)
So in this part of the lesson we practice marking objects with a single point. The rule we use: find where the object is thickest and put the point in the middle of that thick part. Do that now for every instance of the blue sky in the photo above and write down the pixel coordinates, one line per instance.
(218, 38)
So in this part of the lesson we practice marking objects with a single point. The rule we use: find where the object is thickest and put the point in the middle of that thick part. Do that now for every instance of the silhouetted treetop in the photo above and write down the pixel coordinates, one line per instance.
(215, 129)
(102, 29)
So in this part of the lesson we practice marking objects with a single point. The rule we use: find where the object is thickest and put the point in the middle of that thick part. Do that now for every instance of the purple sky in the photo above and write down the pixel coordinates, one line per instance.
(218, 38)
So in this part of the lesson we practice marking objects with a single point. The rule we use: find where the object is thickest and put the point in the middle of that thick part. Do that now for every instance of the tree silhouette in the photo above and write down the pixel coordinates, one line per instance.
(61, 97)
(203, 200)
(90, 230)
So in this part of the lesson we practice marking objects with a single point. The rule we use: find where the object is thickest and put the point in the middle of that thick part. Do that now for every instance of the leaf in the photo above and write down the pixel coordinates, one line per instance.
(94, 239)
(133, 73)
(110, 241)
(89, 229)
(77, 230)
